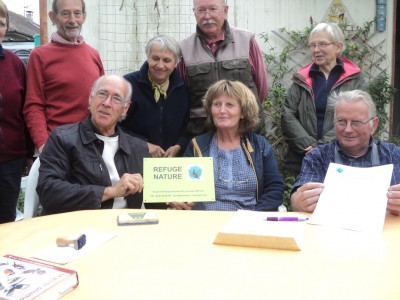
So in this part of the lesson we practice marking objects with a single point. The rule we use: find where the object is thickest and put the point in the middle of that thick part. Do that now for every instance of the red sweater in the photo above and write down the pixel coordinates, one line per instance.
(14, 138)
(59, 81)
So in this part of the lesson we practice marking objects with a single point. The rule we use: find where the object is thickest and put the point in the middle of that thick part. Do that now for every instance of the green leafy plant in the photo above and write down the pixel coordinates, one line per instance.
(381, 92)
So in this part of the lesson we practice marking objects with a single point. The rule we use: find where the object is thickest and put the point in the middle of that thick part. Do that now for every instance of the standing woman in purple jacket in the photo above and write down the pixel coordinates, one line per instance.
(15, 143)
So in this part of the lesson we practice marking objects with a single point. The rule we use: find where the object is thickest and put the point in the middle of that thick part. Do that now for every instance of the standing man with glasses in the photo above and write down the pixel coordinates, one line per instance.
(218, 51)
(60, 74)
(355, 123)
(94, 164)
(307, 118)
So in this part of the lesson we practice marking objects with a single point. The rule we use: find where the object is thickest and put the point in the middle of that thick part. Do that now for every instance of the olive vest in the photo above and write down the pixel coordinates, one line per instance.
(203, 68)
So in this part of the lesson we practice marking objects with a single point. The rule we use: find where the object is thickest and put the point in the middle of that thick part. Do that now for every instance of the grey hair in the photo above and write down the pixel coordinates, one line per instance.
(128, 85)
(223, 2)
(166, 43)
(357, 96)
(54, 7)
(96, 85)
(332, 29)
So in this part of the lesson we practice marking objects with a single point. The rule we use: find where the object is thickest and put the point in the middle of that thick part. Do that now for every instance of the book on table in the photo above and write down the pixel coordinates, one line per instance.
(22, 278)
(252, 229)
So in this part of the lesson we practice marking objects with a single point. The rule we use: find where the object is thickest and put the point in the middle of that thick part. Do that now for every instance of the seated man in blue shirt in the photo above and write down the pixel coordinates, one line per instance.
(355, 122)
(94, 164)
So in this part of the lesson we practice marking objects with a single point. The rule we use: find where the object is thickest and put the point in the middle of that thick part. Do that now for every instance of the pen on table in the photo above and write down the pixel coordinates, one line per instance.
(295, 219)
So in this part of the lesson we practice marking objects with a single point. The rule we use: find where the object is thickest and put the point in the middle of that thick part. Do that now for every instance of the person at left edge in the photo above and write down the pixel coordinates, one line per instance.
(16, 148)
(94, 164)
(246, 174)
(160, 101)
(60, 74)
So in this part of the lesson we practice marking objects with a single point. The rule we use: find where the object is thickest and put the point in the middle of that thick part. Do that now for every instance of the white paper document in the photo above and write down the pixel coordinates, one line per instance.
(354, 198)
(63, 255)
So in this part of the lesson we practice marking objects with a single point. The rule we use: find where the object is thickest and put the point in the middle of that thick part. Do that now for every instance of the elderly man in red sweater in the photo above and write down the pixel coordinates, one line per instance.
(60, 74)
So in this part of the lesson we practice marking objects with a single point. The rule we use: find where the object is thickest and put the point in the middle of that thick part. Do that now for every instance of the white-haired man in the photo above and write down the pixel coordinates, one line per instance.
(355, 122)
(94, 164)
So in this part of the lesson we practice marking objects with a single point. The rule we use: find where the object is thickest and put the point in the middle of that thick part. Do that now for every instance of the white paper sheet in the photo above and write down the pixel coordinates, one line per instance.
(354, 198)
(63, 255)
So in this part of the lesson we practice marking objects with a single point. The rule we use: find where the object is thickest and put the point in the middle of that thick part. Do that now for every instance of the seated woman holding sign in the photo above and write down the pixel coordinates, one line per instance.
(246, 174)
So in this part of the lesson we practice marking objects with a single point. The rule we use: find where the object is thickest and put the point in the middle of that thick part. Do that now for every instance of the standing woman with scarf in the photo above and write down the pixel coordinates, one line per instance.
(160, 101)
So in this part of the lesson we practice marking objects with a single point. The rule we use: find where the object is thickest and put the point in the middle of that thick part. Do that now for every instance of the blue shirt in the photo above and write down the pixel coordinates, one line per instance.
(316, 162)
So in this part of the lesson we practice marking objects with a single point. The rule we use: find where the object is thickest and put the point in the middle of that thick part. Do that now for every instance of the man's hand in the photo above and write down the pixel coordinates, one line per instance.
(182, 205)
(128, 184)
(306, 197)
(308, 149)
(155, 150)
(393, 195)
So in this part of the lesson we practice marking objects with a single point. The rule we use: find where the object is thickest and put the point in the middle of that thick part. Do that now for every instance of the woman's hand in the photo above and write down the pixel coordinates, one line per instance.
(172, 151)
(182, 205)
(155, 150)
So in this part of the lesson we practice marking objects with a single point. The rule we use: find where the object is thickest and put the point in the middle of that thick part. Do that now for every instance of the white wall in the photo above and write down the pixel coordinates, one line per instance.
(119, 29)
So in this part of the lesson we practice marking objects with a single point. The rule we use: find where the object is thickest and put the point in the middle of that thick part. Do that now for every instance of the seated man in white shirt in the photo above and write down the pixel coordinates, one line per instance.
(94, 164)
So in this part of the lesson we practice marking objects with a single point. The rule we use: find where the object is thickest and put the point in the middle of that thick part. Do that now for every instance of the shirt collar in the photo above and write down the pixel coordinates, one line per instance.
(220, 39)
(88, 136)
(314, 70)
(341, 151)
(55, 37)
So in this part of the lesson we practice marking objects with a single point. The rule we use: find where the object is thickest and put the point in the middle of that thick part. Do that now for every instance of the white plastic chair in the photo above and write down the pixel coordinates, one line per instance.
(31, 200)
(282, 208)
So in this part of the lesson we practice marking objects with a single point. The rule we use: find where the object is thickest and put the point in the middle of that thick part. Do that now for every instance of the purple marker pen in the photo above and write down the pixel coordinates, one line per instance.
(296, 219)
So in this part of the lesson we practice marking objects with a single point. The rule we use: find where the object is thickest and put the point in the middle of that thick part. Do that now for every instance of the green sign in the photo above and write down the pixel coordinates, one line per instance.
(178, 179)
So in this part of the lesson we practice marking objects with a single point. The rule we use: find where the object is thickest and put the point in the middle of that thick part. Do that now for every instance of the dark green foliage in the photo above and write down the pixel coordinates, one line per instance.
(381, 92)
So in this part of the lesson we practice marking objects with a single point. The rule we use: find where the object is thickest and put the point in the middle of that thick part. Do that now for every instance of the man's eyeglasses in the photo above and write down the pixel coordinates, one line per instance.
(321, 45)
(211, 11)
(103, 96)
(353, 124)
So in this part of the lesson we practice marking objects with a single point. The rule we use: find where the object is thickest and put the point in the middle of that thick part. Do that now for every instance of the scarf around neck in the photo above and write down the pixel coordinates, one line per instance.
(159, 89)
